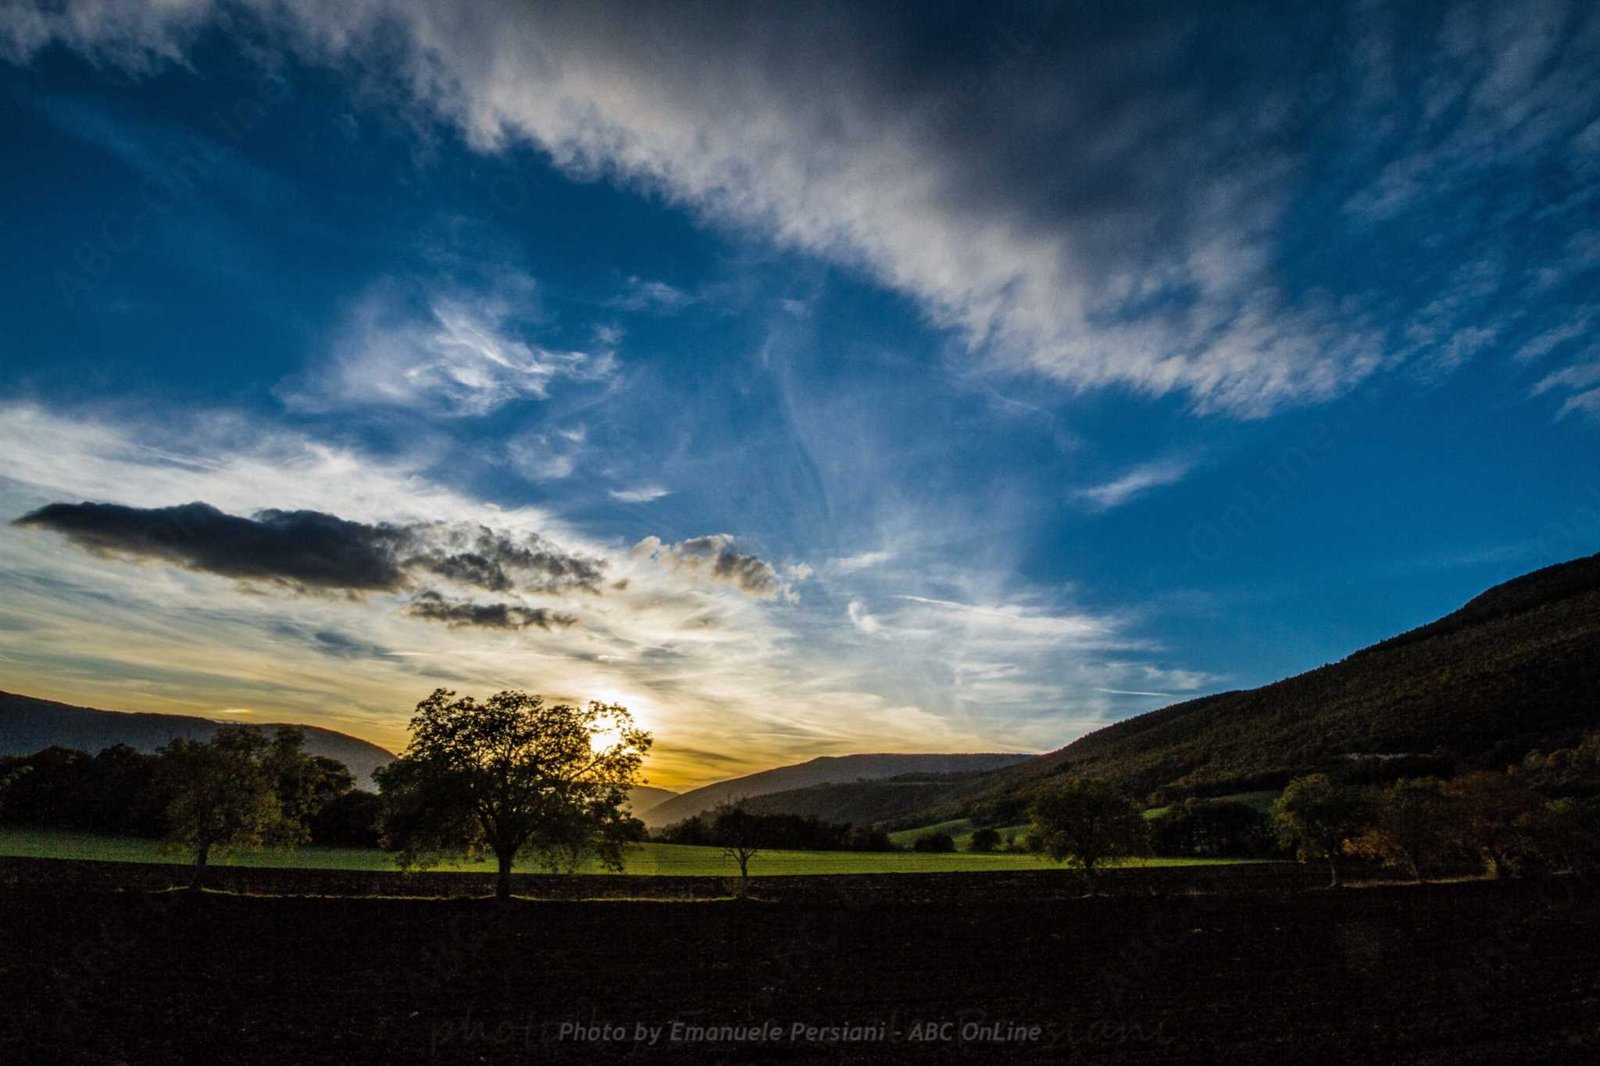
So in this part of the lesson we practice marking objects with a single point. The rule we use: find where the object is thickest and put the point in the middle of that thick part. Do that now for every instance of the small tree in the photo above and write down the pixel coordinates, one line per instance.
(984, 840)
(935, 841)
(738, 833)
(1086, 823)
(514, 776)
(222, 794)
(1314, 817)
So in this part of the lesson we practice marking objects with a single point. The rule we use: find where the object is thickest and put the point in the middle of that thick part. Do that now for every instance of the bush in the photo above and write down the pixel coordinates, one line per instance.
(353, 820)
(984, 841)
(934, 842)
(1213, 829)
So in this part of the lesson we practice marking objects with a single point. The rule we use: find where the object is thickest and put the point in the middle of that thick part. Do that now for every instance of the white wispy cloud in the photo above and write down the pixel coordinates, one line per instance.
(639, 494)
(1143, 255)
(454, 353)
(1136, 482)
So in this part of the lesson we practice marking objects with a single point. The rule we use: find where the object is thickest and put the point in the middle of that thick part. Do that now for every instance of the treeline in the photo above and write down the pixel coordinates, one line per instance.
(791, 832)
(124, 792)
(1540, 814)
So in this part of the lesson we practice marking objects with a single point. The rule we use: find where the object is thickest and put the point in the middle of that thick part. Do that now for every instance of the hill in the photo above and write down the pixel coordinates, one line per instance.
(643, 797)
(824, 770)
(1516, 668)
(28, 725)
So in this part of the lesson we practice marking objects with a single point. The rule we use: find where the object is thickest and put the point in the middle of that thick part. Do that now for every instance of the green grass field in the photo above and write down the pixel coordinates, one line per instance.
(960, 830)
(658, 859)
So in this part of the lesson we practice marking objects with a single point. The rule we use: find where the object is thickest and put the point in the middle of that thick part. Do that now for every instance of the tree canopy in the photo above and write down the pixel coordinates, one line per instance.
(1085, 823)
(516, 776)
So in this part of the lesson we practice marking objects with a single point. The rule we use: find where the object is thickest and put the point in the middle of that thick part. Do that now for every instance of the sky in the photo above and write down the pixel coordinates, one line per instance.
(809, 379)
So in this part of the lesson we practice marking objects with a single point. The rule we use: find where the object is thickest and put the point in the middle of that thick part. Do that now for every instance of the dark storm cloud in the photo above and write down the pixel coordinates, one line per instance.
(491, 560)
(435, 608)
(307, 550)
(310, 551)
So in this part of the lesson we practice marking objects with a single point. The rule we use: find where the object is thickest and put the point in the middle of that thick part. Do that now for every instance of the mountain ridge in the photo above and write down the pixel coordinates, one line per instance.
(823, 770)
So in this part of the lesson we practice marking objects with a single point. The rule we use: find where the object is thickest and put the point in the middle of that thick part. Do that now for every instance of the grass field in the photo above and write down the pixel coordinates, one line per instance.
(674, 859)
(960, 830)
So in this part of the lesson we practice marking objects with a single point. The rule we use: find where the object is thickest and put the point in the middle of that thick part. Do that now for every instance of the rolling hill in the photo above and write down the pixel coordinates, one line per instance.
(1516, 668)
(28, 725)
(643, 797)
(826, 770)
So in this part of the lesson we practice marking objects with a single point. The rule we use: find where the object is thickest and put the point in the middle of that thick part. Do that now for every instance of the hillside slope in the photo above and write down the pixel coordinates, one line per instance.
(1516, 668)
(824, 770)
(28, 725)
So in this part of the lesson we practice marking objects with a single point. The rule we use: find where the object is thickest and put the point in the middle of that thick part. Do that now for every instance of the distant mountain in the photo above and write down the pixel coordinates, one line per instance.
(28, 725)
(1516, 668)
(643, 797)
(824, 770)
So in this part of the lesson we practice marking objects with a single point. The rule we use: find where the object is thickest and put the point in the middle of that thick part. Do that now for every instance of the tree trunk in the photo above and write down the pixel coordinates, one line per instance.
(744, 876)
(1333, 871)
(201, 854)
(502, 884)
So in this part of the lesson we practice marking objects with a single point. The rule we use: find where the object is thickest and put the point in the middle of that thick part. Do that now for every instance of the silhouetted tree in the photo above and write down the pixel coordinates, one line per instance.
(1086, 823)
(9, 776)
(352, 819)
(222, 793)
(515, 776)
(984, 840)
(738, 833)
(1212, 828)
(934, 842)
(1314, 817)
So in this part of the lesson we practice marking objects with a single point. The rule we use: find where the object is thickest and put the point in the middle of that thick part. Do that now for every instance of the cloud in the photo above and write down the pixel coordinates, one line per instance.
(446, 353)
(716, 558)
(1101, 201)
(311, 551)
(647, 295)
(306, 550)
(1136, 482)
(432, 606)
(547, 456)
(859, 617)
(696, 654)
(640, 494)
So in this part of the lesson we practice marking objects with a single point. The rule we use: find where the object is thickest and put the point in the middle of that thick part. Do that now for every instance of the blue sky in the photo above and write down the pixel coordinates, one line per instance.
(915, 379)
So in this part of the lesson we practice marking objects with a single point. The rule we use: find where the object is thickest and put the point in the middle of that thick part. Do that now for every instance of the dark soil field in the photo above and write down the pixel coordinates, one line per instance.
(1457, 973)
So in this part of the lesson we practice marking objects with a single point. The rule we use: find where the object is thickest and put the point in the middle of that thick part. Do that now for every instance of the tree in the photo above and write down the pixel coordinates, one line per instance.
(222, 793)
(1314, 817)
(1211, 828)
(514, 776)
(934, 842)
(738, 833)
(1086, 823)
(10, 775)
(1488, 808)
(984, 840)
(1565, 834)
(1412, 827)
